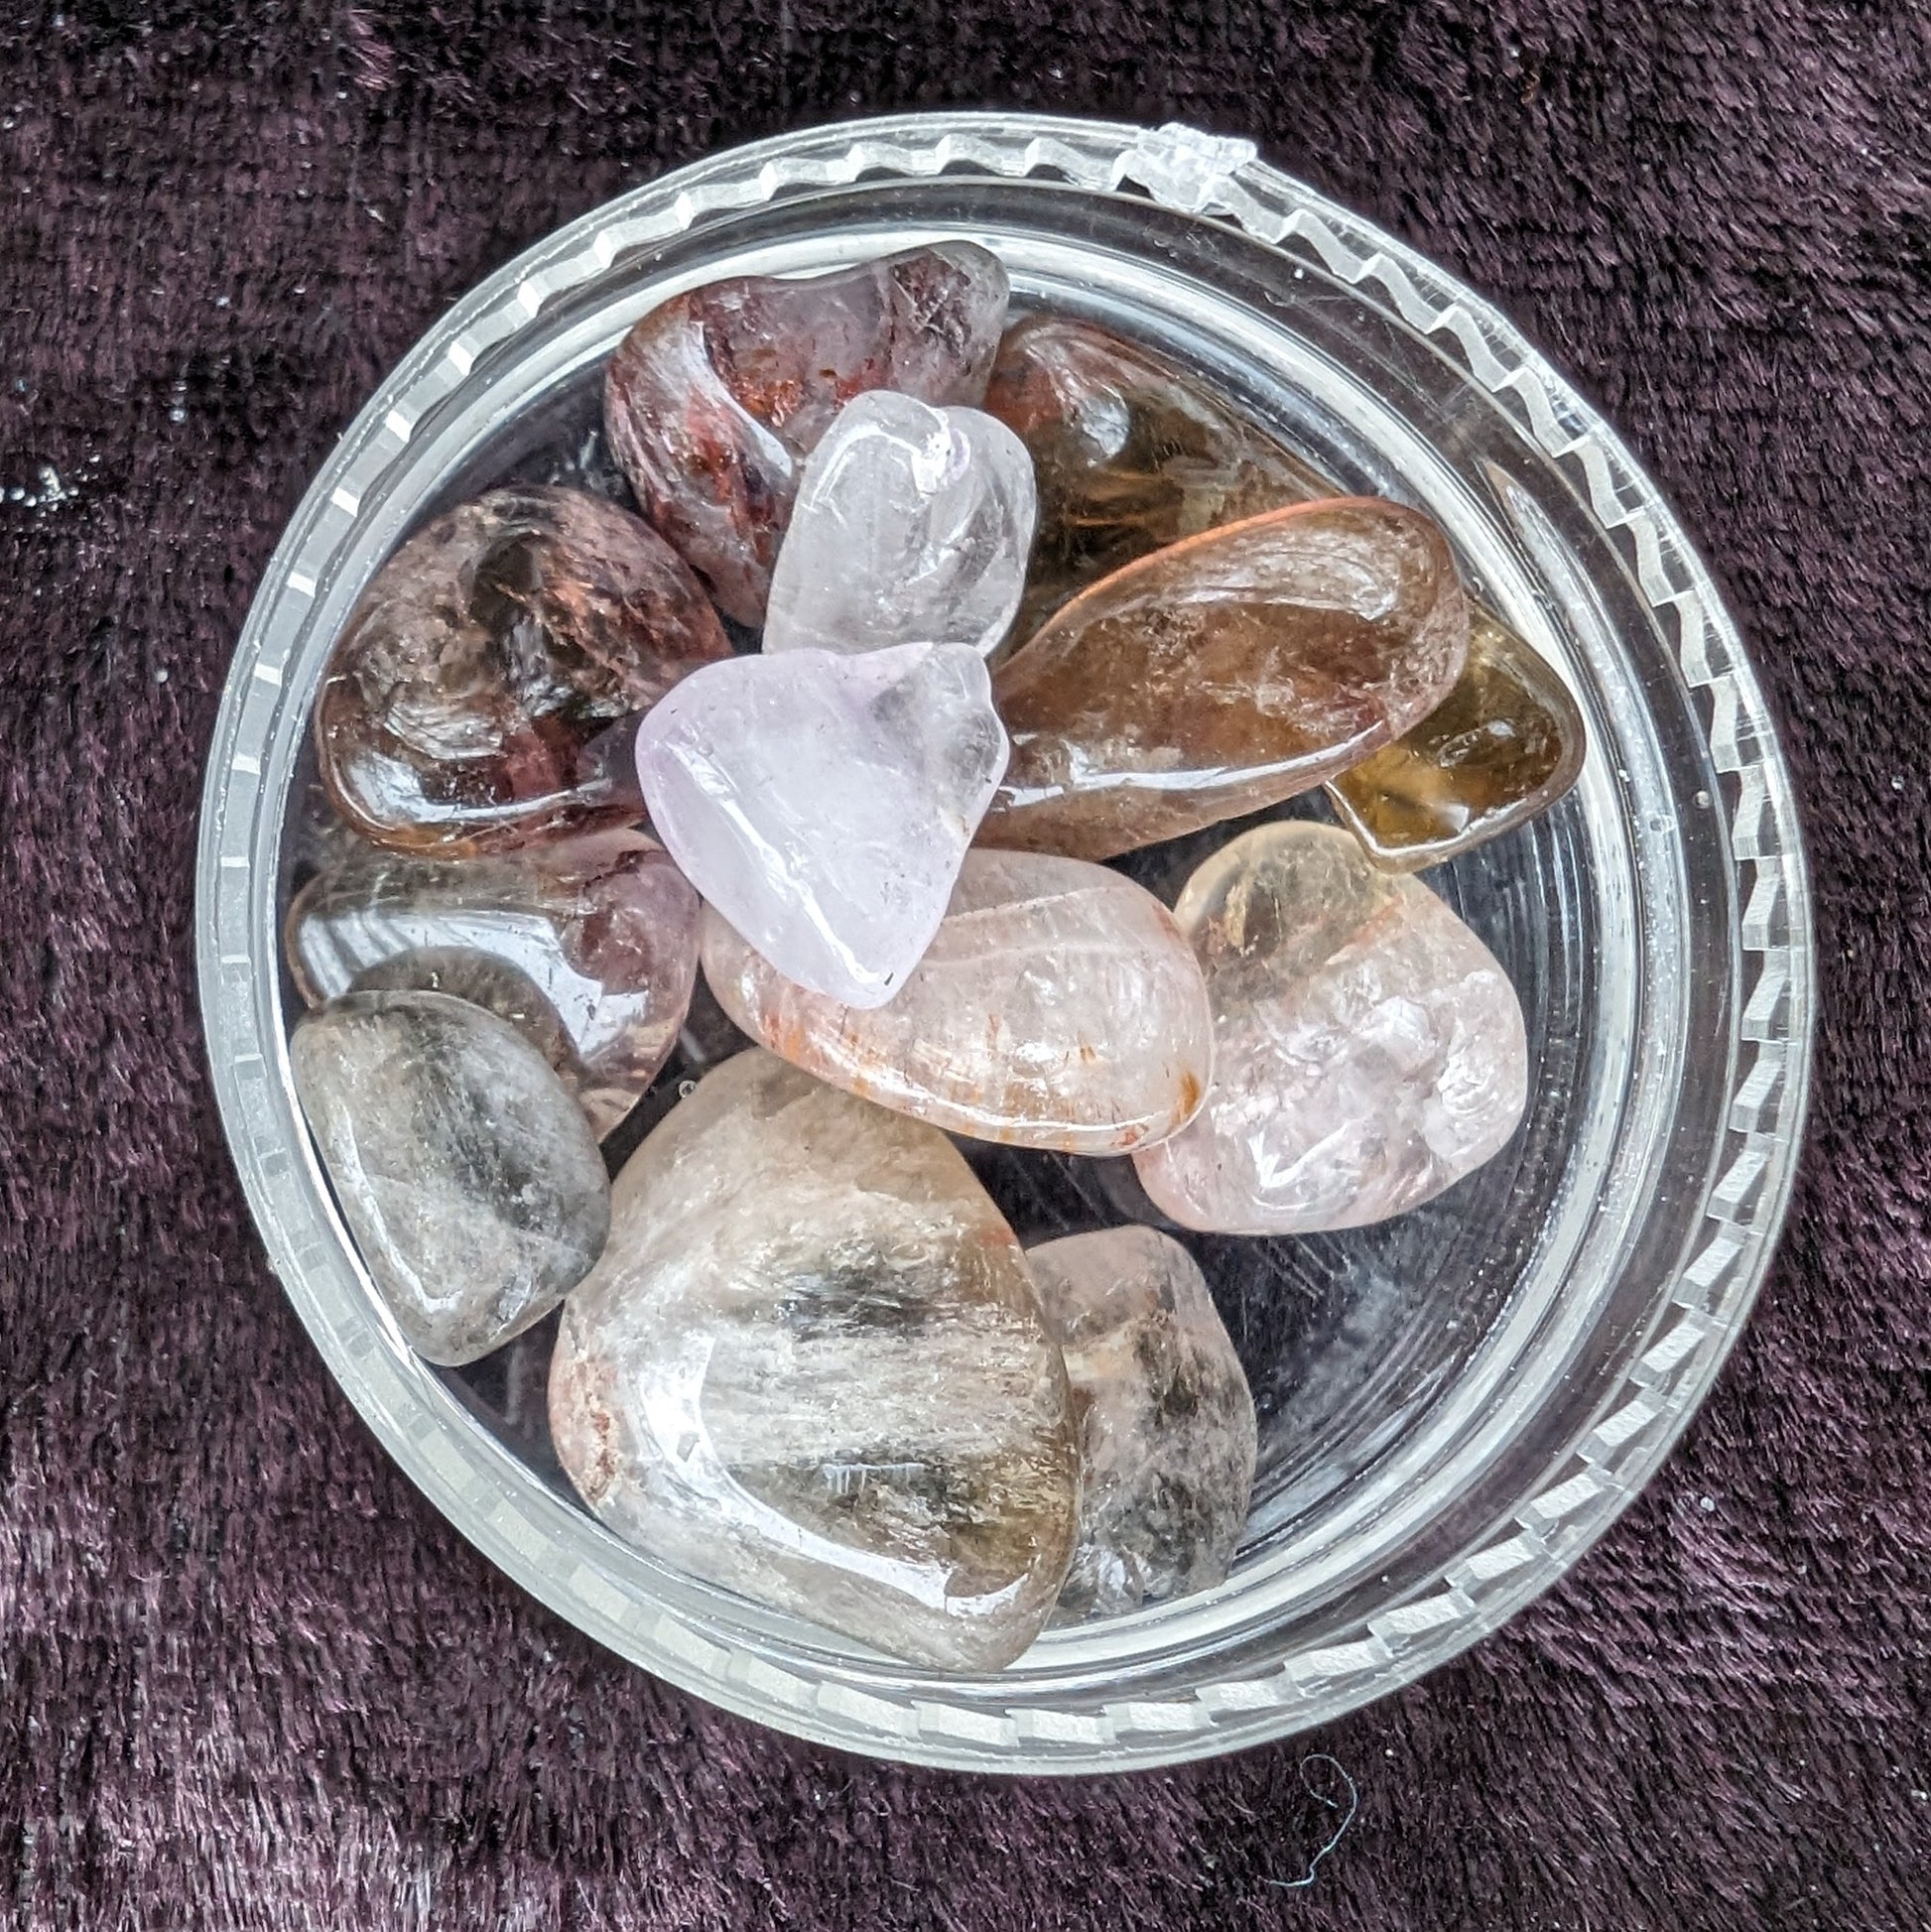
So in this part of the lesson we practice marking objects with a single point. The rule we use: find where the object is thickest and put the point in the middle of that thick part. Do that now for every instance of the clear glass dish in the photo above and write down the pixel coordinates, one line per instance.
(1453, 1406)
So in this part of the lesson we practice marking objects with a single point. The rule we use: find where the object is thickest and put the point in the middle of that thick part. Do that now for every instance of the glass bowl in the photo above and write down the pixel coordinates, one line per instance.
(1452, 1405)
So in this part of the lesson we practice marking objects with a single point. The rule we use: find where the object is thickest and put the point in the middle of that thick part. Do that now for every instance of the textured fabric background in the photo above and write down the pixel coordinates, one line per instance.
(247, 1677)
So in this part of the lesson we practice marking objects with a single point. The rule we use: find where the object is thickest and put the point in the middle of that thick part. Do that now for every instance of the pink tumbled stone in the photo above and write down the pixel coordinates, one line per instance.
(1369, 1049)
(824, 802)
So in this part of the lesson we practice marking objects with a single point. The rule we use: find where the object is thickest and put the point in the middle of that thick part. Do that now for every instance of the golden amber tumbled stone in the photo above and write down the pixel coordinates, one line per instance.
(1223, 674)
(1502, 747)
(1131, 454)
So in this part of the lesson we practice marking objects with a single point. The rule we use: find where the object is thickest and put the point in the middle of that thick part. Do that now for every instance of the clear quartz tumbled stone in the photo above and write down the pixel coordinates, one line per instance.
(812, 1368)
(912, 526)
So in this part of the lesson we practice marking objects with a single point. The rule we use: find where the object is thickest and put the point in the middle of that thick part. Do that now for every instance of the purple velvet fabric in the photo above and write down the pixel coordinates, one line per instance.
(247, 1677)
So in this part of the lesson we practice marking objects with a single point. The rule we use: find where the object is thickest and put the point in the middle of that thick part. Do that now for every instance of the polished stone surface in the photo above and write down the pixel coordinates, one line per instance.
(714, 400)
(812, 1368)
(823, 803)
(1504, 744)
(1167, 1433)
(912, 526)
(1130, 453)
(473, 700)
(468, 1175)
(589, 945)
(1057, 1006)
(1369, 1049)
(1223, 674)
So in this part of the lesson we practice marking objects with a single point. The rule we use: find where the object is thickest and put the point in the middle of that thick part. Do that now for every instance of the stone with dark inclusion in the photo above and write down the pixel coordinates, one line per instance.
(811, 1368)
(476, 700)
(715, 399)
(1223, 674)
(1368, 1050)
(1130, 455)
(1504, 744)
(466, 1174)
(589, 945)
(1167, 1433)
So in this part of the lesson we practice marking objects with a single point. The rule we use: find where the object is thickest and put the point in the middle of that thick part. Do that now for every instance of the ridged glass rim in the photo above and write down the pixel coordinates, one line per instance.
(560, 1554)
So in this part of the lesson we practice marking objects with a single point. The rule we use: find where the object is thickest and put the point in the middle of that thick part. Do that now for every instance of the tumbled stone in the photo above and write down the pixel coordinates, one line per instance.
(1368, 1050)
(912, 526)
(466, 1174)
(1057, 1006)
(715, 399)
(1223, 674)
(824, 802)
(811, 1368)
(472, 701)
(1129, 454)
(1167, 1434)
(1504, 744)
(589, 945)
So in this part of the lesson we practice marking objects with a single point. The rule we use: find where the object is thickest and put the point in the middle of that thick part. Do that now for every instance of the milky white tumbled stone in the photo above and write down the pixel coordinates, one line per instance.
(812, 1368)
(464, 1169)
(824, 802)
(1057, 1006)
(1167, 1434)
(1369, 1049)
(912, 525)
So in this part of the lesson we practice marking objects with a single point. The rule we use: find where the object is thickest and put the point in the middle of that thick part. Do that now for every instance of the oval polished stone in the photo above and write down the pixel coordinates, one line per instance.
(469, 704)
(715, 399)
(1368, 1050)
(1010, 1028)
(1502, 749)
(589, 945)
(1167, 1432)
(811, 1368)
(1131, 454)
(824, 802)
(467, 1176)
(912, 526)
(1224, 674)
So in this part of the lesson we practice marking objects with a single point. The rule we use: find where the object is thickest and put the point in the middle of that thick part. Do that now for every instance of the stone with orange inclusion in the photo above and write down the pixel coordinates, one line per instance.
(1059, 1006)
(1224, 674)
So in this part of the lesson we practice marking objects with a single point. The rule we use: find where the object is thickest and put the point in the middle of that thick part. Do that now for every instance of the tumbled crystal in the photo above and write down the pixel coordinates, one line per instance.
(466, 1174)
(1368, 1050)
(1058, 1005)
(1131, 454)
(470, 703)
(1223, 674)
(1504, 744)
(824, 802)
(715, 399)
(911, 527)
(589, 945)
(811, 1368)
(1167, 1434)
